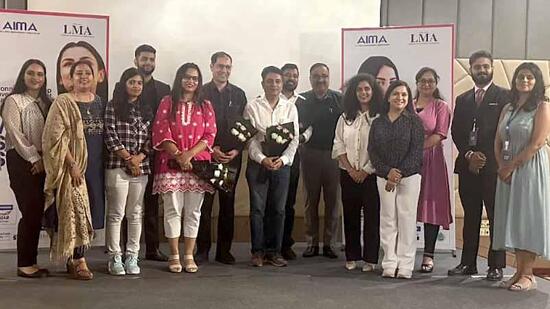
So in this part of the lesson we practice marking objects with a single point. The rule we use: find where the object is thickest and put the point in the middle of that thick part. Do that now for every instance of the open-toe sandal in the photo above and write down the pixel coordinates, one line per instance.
(174, 265)
(190, 265)
(531, 285)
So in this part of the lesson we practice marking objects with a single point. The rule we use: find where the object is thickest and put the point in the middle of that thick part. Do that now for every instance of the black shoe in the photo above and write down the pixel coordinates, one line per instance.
(156, 255)
(40, 273)
(225, 258)
(494, 274)
(311, 251)
(288, 254)
(276, 260)
(328, 252)
(462, 270)
(201, 258)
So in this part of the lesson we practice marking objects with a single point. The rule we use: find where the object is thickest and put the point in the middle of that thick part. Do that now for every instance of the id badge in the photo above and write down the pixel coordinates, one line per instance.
(506, 151)
(472, 140)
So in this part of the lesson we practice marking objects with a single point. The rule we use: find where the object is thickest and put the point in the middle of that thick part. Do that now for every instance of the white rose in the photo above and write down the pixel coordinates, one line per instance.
(279, 140)
(274, 136)
(220, 166)
(217, 173)
(234, 132)
(285, 130)
(212, 180)
(242, 138)
(284, 141)
(243, 128)
(238, 123)
(220, 183)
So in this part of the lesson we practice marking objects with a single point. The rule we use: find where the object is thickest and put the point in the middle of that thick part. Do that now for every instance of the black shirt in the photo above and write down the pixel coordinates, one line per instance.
(322, 115)
(397, 144)
(153, 92)
(229, 106)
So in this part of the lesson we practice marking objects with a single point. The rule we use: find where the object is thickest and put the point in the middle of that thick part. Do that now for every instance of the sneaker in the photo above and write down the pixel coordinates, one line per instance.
(351, 265)
(131, 265)
(276, 260)
(403, 274)
(115, 266)
(388, 273)
(368, 267)
(257, 259)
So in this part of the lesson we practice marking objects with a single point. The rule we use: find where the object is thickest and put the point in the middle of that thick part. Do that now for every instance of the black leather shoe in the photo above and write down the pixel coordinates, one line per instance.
(201, 257)
(288, 254)
(40, 273)
(156, 256)
(225, 258)
(462, 270)
(494, 274)
(328, 252)
(311, 251)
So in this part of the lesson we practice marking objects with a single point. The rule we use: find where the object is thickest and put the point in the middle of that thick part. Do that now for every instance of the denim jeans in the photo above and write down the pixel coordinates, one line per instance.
(268, 193)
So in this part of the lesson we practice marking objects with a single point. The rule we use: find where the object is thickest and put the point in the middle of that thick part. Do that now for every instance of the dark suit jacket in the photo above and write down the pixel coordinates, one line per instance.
(487, 116)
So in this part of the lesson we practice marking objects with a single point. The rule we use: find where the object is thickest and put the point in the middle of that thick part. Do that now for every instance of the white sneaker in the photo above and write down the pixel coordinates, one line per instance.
(368, 267)
(115, 266)
(351, 265)
(131, 265)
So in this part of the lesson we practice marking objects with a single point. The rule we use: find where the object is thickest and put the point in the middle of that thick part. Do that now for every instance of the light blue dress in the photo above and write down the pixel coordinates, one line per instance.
(522, 208)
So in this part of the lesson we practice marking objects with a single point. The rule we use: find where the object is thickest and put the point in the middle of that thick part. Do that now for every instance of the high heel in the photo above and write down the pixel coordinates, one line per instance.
(190, 265)
(174, 267)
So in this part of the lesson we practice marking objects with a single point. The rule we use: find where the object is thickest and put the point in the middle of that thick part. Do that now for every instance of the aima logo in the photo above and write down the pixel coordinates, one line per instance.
(19, 26)
(423, 38)
(372, 39)
(5, 211)
(77, 30)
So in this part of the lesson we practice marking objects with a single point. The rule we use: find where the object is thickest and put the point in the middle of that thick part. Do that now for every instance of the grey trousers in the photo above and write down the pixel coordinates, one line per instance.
(320, 172)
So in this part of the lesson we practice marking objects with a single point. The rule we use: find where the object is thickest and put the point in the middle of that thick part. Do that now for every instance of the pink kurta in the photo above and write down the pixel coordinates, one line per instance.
(202, 127)
(434, 205)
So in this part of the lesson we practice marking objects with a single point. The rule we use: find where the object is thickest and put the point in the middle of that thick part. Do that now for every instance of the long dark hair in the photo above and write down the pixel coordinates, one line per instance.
(418, 76)
(373, 64)
(177, 89)
(20, 86)
(351, 103)
(385, 107)
(102, 88)
(536, 95)
(120, 98)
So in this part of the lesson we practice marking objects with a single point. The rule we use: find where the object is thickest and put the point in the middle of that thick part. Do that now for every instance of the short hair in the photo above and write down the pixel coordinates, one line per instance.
(385, 107)
(480, 54)
(219, 54)
(316, 65)
(289, 66)
(79, 62)
(271, 69)
(144, 48)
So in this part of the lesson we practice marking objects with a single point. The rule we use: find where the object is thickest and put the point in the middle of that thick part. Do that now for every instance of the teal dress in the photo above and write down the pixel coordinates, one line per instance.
(522, 208)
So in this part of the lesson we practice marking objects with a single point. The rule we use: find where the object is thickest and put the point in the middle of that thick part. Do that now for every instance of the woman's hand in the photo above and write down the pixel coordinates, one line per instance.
(133, 164)
(184, 160)
(394, 175)
(37, 167)
(390, 186)
(505, 173)
(357, 175)
(76, 176)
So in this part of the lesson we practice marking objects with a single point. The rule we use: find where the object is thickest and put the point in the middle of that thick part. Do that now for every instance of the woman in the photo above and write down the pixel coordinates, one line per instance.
(382, 68)
(396, 140)
(434, 204)
(357, 178)
(523, 186)
(184, 129)
(127, 123)
(24, 111)
(73, 158)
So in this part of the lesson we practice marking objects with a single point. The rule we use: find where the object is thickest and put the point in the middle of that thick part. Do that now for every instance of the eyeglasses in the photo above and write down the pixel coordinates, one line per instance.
(194, 79)
(427, 81)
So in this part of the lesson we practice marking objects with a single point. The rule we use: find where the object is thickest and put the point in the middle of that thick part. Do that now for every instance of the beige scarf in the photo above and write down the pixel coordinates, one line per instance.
(63, 132)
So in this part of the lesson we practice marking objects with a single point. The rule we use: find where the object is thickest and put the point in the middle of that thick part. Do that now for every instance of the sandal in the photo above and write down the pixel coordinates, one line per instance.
(508, 283)
(427, 267)
(524, 288)
(79, 270)
(174, 265)
(190, 265)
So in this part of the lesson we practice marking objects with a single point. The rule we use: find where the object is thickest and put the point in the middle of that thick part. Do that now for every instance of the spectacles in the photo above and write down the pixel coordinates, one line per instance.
(191, 78)
(427, 81)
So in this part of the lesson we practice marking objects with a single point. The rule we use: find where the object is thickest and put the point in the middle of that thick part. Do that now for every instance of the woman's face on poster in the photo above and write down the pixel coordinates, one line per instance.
(386, 75)
(72, 55)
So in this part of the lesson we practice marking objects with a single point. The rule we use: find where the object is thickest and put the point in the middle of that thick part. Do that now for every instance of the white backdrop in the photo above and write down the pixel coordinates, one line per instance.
(409, 48)
(256, 33)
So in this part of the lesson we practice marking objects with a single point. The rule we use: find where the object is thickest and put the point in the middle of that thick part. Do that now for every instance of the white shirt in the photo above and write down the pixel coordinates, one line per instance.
(309, 131)
(352, 139)
(262, 116)
(24, 125)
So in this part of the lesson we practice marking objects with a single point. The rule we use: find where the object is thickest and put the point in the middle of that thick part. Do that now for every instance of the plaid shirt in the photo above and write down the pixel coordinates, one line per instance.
(134, 136)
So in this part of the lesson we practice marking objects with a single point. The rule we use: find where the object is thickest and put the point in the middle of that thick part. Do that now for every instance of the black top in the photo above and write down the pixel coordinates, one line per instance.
(153, 92)
(397, 144)
(228, 106)
(486, 116)
(322, 115)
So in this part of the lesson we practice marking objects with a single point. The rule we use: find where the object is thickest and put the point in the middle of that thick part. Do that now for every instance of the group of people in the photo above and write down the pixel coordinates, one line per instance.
(377, 143)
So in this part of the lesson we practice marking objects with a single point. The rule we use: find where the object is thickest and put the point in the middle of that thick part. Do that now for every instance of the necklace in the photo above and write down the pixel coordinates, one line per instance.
(186, 117)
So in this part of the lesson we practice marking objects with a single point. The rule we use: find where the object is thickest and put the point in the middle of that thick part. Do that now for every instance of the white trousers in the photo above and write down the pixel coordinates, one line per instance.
(124, 197)
(398, 223)
(174, 203)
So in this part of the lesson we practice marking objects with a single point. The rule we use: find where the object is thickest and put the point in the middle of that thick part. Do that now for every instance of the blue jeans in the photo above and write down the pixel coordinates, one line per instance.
(268, 192)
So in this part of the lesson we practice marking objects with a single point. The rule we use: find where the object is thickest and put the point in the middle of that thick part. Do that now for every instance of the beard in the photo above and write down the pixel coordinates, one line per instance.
(146, 72)
(290, 86)
(482, 79)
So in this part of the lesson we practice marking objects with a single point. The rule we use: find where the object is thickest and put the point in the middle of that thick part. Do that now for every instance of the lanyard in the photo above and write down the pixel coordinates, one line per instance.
(513, 115)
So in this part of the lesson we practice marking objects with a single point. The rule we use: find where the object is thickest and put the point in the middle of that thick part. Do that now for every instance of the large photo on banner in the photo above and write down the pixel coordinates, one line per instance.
(58, 40)
(399, 53)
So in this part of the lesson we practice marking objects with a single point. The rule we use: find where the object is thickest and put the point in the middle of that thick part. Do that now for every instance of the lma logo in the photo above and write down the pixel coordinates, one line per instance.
(19, 27)
(423, 38)
(371, 40)
(77, 30)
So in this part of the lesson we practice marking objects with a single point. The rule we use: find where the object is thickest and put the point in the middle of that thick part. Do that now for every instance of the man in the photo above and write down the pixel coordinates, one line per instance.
(229, 102)
(473, 131)
(153, 92)
(291, 76)
(268, 176)
(320, 110)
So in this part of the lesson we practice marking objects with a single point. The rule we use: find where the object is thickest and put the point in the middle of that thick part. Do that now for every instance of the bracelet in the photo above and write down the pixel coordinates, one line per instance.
(177, 153)
(469, 154)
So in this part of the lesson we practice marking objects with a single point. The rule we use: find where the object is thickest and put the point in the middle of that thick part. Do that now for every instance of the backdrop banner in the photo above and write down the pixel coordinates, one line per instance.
(398, 53)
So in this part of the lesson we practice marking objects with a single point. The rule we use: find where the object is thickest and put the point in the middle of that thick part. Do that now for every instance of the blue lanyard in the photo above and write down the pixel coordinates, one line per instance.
(510, 119)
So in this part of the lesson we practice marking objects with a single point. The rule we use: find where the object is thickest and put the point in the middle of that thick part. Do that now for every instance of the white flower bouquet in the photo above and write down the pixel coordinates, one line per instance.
(277, 139)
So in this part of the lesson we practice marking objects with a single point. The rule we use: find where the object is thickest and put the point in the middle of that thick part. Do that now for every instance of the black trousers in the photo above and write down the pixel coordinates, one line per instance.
(29, 194)
(476, 191)
(150, 214)
(356, 198)
(290, 202)
(226, 218)
(430, 237)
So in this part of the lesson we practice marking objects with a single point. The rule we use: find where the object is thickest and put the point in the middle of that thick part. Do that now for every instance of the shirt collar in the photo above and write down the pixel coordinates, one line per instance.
(484, 88)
